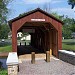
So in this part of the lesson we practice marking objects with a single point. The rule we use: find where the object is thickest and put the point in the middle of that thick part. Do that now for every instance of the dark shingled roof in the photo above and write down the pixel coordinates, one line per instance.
(33, 11)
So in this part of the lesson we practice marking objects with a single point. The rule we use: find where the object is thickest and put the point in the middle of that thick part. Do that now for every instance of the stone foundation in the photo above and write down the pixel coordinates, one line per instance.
(12, 63)
(12, 69)
(67, 56)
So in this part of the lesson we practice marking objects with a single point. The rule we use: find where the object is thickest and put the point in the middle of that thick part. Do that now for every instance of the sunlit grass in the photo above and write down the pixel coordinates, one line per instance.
(6, 48)
(68, 44)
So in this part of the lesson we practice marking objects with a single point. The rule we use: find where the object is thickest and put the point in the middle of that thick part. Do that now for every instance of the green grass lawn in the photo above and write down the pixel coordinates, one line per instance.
(6, 48)
(68, 44)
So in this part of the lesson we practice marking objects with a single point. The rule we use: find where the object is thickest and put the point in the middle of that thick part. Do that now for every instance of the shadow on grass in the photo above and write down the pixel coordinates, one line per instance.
(3, 44)
(69, 43)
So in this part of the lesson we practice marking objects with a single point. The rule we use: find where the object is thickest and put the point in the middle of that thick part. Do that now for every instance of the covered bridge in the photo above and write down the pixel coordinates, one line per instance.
(45, 30)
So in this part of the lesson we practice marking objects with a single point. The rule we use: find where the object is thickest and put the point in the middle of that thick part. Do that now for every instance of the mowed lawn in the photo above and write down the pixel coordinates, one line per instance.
(68, 44)
(6, 48)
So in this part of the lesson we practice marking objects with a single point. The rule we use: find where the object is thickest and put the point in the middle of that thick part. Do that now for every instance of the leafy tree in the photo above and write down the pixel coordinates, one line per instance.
(72, 3)
(3, 11)
(68, 27)
(57, 16)
(73, 26)
(3, 18)
(4, 31)
(66, 32)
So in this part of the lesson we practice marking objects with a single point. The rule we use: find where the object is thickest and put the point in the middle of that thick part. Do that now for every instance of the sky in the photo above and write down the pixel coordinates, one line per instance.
(61, 7)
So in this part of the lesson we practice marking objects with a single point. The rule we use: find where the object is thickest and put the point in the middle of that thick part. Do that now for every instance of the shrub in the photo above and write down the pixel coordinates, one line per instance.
(1, 65)
(3, 72)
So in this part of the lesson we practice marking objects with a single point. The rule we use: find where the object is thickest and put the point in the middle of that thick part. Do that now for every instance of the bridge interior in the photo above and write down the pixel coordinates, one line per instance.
(43, 38)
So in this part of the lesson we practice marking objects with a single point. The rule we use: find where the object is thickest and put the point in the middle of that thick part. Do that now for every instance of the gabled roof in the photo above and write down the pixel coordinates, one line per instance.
(33, 11)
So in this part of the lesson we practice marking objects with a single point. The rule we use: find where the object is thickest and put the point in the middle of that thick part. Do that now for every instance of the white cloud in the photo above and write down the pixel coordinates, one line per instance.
(57, 1)
(42, 1)
(64, 11)
(36, 1)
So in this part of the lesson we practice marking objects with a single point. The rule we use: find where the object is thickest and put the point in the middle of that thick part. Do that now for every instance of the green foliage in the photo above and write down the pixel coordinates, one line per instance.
(4, 31)
(66, 32)
(3, 11)
(72, 27)
(57, 16)
(72, 3)
(68, 27)
(1, 64)
(3, 72)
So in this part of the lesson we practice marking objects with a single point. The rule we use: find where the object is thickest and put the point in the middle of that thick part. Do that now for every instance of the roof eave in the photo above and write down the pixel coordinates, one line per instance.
(27, 13)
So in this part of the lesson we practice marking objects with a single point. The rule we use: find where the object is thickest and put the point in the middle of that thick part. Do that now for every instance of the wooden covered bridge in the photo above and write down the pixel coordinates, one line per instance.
(45, 30)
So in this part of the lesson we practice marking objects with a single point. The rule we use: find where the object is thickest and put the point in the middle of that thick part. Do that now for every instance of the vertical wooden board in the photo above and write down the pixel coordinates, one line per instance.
(51, 43)
(14, 39)
(60, 37)
(54, 43)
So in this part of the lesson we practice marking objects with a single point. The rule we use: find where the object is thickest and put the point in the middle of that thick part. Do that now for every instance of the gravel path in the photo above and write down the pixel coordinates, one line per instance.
(54, 67)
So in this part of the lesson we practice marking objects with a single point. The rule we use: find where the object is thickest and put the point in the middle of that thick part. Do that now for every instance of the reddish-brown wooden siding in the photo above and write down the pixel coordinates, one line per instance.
(16, 25)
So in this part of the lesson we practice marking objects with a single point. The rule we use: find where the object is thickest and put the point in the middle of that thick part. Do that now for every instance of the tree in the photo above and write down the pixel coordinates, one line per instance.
(73, 26)
(4, 31)
(72, 3)
(3, 18)
(68, 27)
(57, 16)
(66, 32)
(3, 11)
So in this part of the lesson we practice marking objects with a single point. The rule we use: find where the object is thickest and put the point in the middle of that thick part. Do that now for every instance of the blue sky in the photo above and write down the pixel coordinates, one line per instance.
(61, 7)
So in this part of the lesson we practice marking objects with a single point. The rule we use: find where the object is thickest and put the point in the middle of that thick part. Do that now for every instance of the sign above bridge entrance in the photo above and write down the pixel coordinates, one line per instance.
(37, 19)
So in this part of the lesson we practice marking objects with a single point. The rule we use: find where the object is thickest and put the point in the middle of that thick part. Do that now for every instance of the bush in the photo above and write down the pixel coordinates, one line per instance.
(3, 72)
(1, 65)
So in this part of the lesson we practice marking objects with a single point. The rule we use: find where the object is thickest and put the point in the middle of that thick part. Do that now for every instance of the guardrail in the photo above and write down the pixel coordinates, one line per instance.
(12, 63)
(67, 56)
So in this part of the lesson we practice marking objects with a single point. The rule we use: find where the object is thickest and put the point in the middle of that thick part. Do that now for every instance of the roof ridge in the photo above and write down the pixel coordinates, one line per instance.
(32, 11)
